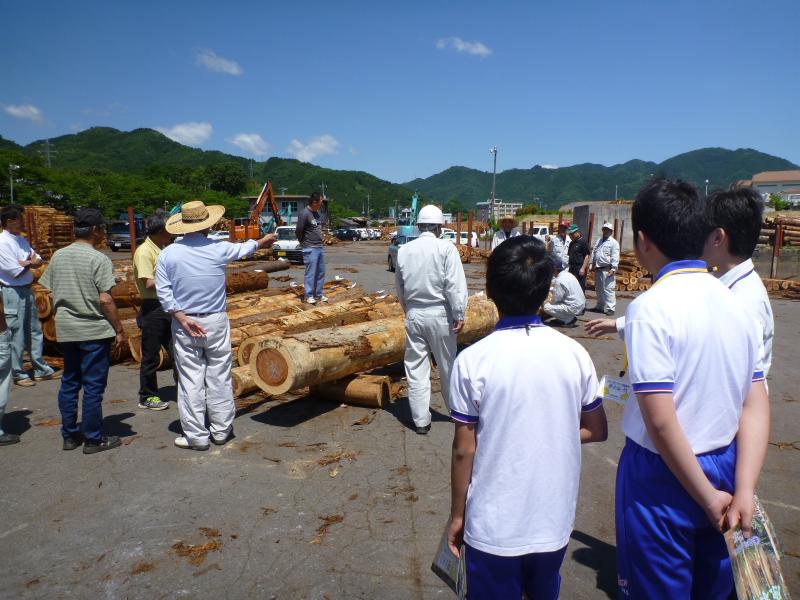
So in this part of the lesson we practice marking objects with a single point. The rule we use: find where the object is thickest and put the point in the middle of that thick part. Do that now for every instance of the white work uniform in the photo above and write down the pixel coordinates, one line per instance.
(559, 249)
(501, 236)
(190, 277)
(605, 257)
(689, 336)
(568, 300)
(433, 292)
(527, 466)
(746, 285)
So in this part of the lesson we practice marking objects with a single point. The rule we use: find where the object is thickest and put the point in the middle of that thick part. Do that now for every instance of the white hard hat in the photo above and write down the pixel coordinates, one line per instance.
(608, 225)
(431, 215)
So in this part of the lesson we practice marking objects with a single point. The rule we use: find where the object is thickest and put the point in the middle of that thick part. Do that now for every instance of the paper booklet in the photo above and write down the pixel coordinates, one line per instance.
(450, 568)
(756, 561)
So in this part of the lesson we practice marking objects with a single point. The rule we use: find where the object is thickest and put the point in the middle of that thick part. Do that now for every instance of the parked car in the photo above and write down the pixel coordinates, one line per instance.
(363, 233)
(539, 231)
(287, 245)
(450, 236)
(474, 242)
(119, 234)
(347, 234)
(395, 246)
(219, 235)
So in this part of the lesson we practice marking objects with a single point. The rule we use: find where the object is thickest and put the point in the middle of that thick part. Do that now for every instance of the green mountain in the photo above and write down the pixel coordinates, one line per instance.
(555, 187)
(114, 169)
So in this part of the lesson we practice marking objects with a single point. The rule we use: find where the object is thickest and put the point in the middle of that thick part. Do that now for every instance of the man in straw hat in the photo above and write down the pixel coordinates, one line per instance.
(605, 261)
(507, 231)
(190, 282)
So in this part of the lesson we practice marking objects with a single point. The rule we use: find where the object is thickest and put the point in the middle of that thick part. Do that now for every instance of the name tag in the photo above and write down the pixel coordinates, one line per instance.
(615, 389)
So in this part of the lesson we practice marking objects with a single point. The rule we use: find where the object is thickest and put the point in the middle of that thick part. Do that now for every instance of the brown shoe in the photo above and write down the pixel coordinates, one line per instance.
(53, 375)
(25, 382)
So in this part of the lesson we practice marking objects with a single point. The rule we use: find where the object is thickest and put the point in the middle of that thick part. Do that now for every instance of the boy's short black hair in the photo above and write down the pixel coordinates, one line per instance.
(518, 275)
(314, 197)
(738, 210)
(670, 213)
(12, 211)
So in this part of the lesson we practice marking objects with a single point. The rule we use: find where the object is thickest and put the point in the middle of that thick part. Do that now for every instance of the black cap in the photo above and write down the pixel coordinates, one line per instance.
(88, 217)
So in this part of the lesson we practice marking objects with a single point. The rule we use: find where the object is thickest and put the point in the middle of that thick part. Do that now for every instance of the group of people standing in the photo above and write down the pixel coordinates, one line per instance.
(698, 347)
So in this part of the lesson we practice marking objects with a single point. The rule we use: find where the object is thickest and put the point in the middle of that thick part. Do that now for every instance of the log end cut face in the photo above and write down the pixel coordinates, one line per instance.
(272, 367)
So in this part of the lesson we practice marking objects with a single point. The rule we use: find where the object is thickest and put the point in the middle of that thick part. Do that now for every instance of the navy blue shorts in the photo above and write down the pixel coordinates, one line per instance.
(666, 546)
(491, 577)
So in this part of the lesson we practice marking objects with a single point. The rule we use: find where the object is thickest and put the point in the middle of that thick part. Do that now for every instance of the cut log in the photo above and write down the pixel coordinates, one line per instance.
(242, 381)
(372, 391)
(281, 364)
(44, 304)
(49, 328)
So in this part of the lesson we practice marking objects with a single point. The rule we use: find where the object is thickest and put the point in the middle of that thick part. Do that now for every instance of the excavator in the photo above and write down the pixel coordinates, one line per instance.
(250, 228)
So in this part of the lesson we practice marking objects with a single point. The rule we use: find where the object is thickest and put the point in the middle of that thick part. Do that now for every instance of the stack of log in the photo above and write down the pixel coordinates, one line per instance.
(631, 276)
(783, 288)
(791, 230)
(48, 229)
(330, 240)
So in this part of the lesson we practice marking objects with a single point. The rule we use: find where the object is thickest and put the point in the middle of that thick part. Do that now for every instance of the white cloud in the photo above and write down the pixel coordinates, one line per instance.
(459, 45)
(24, 111)
(316, 146)
(189, 134)
(549, 166)
(211, 61)
(252, 143)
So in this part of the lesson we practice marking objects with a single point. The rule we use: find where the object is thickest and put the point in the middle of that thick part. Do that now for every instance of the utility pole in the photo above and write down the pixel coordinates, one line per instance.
(251, 169)
(48, 152)
(324, 197)
(11, 169)
(616, 191)
(283, 191)
(368, 194)
(493, 152)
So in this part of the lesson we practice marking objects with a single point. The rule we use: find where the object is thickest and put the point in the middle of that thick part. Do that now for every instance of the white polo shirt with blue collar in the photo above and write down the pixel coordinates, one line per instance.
(746, 285)
(690, 336)
(525, 386)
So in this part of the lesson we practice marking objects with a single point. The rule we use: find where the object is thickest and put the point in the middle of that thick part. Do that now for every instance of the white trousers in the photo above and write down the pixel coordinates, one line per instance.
(204, 378)
(605, 286)
(428, 330)
(562, 312)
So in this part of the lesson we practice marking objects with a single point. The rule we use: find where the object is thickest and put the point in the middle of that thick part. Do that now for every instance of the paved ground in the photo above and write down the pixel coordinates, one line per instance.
(312, 499)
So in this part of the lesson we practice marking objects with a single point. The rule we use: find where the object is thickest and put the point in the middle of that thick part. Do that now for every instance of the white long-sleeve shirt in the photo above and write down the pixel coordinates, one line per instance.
(429, 274)
(567, 291)
(559, 249)
(605, 253)
(14, 248)
(501, 236)
(190, 274)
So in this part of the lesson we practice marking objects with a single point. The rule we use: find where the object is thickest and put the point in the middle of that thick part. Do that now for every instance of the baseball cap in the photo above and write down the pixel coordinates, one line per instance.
(573, 228)
(88, 217)
(608, 225)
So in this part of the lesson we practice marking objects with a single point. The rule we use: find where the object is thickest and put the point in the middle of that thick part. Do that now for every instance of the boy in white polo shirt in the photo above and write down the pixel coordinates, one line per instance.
(516, 450)
(697, 431)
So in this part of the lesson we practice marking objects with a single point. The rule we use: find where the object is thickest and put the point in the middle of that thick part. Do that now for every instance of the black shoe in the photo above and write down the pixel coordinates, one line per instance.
(70, 443)
(571, 324)
(222, 441)
(423, 430)
(106, 443)
(595, 309)
(9, 438)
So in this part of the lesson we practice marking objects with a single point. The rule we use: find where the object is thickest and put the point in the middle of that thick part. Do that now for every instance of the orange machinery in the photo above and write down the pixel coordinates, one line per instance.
(250, 228)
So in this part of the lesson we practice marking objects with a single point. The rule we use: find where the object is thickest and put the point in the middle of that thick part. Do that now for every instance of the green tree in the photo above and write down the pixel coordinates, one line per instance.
(778, 203)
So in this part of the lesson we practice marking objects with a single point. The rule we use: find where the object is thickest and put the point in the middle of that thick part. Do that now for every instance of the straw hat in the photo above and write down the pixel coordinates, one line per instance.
(194, 216)
(508, 218)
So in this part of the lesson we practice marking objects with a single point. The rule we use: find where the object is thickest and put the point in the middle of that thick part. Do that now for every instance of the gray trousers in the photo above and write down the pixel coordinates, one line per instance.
(204, 379)
(428, 330)
(605, 286)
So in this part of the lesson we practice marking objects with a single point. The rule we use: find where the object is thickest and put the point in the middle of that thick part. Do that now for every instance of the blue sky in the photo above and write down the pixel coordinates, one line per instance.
(407, 89)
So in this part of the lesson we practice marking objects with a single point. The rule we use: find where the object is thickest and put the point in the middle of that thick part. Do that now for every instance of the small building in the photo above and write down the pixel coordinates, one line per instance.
(501, 209)
(605, 211)
(785, 184)
(289, 207)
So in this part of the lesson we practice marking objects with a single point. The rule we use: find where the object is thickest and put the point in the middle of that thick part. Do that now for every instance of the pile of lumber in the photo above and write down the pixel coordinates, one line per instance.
(631, 276)
(783, 288)
(48, 229)
(330, 240)
(791, 230)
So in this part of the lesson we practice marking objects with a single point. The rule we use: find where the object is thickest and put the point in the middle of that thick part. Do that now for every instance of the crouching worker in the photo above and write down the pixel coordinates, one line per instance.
(516, 451)
(568, 300)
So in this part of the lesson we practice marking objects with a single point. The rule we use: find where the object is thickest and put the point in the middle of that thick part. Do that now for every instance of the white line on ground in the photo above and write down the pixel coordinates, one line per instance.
(611, 461)
(19, 527)
(780, 504)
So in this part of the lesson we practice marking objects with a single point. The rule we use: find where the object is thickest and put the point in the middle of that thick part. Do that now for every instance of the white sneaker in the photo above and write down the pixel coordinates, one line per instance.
(323, 298)
(310, 301)
(182, 442)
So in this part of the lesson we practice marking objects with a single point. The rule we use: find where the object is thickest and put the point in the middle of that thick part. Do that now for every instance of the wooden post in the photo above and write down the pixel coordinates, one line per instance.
(551, 228)
(621, 233)
(470, 223)
(776, 251)
(591, 229)
(616, 229)
(559, 218)
(132, 230)
(458, 228)
(524, 227)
